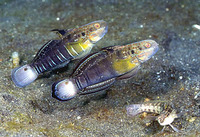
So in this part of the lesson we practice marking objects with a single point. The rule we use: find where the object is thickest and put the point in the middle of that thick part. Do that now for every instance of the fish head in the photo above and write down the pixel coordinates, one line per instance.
(145, 50)
(91, 32)
(96, 30)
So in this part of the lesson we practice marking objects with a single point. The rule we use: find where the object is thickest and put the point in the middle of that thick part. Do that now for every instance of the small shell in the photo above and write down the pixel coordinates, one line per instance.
(15, 59)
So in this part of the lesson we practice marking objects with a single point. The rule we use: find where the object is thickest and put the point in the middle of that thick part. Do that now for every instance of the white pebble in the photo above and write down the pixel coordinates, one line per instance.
(57, 18)
(196, 26)
(158, 72)
(78, 117)
(196, 96)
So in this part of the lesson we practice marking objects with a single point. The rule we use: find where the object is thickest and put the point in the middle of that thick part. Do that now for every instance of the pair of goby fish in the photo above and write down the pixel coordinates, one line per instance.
(166, 113)
(95, 72)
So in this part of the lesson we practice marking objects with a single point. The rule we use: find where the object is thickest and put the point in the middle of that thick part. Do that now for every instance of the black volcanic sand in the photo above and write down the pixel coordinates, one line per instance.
(171, 75)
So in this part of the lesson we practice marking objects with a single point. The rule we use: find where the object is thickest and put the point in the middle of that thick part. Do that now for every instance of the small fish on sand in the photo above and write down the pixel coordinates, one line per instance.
(166, 114)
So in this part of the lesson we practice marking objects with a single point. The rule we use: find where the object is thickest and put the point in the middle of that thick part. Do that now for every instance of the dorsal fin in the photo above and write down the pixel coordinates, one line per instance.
(60, 32)
(84, 62)
(111, 48)
(118, 50)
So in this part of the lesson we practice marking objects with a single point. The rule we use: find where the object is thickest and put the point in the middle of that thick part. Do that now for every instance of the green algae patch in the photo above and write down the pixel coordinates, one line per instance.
(72, 126)
(50, 132)
(14, 126)
(22, 121)
(19, 122)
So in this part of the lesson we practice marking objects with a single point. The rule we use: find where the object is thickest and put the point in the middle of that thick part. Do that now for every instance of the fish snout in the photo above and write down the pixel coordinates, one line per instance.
(151, 47)
(99, 33)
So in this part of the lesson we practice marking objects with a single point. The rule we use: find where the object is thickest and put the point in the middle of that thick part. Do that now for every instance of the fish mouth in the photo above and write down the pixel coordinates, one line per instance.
(103, 31)
(99, 34)
(146, 55)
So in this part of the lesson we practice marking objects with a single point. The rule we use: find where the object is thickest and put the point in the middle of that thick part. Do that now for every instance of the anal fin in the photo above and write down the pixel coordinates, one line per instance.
(97, 87)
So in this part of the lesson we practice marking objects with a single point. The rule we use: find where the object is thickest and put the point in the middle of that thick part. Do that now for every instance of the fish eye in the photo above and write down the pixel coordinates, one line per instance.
(83, 33)
(147, 45)
(97, 25)
(25, 69)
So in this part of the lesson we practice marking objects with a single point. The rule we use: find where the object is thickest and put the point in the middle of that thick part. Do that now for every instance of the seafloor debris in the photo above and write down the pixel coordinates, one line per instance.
(166, 114)
(15, 59)
(197, 95)
(197, 99)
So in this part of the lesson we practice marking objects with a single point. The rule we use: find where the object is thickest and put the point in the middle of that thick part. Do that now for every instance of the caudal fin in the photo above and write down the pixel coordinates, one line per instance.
(24, 75)
(64, 90)
(134, 109)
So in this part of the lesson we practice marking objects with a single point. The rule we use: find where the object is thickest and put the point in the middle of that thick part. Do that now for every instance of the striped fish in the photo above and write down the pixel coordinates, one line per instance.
(101, 69)
(73, 44)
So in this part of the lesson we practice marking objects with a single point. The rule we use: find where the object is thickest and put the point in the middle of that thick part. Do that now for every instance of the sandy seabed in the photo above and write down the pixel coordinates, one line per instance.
(172, 75)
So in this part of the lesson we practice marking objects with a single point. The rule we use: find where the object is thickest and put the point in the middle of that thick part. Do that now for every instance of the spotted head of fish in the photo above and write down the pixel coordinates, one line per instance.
(95, 30)
(91, 32)
(145, 50)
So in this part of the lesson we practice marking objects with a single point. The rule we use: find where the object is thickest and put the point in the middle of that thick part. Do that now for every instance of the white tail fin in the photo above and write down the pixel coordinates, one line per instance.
(64, 90)
(134, 109)
(24, 75)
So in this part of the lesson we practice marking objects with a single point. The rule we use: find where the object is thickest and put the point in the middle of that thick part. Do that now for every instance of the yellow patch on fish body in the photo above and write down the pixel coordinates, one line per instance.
(122, 66)
(128, 57)
(79, 49)
(82, 39)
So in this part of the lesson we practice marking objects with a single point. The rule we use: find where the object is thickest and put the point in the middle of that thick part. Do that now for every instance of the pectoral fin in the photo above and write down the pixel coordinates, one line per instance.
(129, 74)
